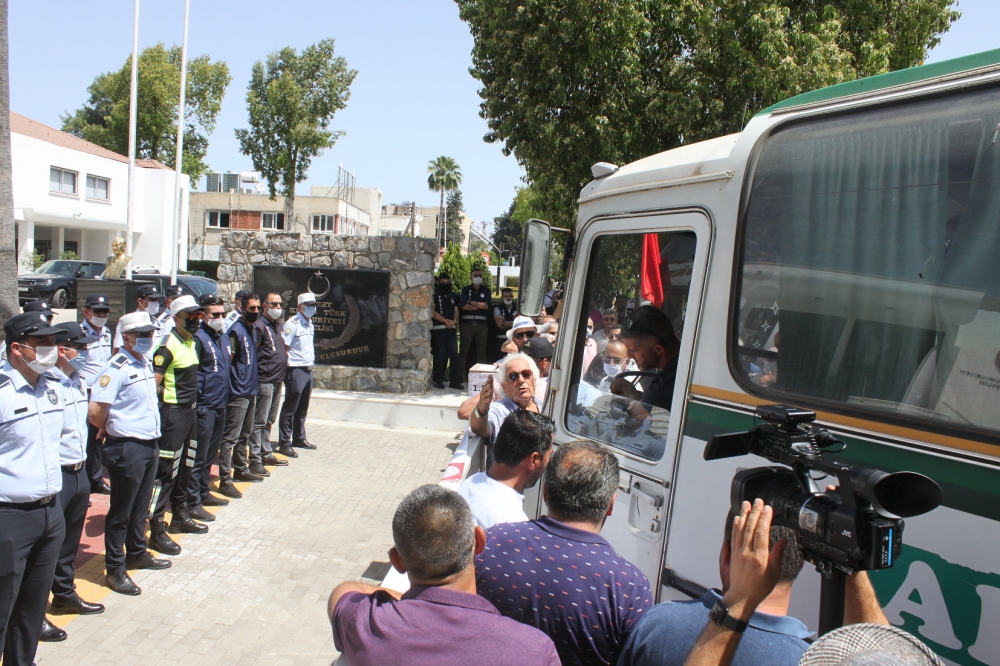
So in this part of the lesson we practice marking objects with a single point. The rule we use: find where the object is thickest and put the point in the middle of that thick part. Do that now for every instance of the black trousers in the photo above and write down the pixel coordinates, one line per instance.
(30, 539)
(444, 344)
(473, 333)
(74, 499)
(94, 465)
(178, 426)
(211, 426)
(131, 465)
(298, 388)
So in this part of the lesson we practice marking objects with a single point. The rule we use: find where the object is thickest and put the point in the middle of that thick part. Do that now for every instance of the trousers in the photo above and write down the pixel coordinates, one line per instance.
(473, 332)
(132, 466)
(444, 346)
(239, 427)
(298, 389)
(265, 414)
(211, 427)
(94, 465)
(178, 425)
(74, 499)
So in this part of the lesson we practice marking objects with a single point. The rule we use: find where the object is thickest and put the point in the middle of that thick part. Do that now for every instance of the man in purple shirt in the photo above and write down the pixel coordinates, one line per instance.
(557, 573)
(440, 620)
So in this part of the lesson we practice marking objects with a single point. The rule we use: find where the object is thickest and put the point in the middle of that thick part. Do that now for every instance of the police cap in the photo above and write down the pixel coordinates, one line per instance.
(37, 305)
(175, 290)
(97, 301)
(538, 348)
(147, 290)
(28, 323)
(242, 293)
(73, 333)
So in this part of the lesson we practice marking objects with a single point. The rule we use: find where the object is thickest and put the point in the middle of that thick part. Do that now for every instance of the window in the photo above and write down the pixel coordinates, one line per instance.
(325, 223)
(218, 219)
(71, 246)
(272, 220)
(636, 416)
(98, 188)
(868, 282)
(62, 181)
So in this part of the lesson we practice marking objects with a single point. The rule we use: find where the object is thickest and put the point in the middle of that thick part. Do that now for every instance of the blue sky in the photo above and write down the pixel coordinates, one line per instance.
(412, 101)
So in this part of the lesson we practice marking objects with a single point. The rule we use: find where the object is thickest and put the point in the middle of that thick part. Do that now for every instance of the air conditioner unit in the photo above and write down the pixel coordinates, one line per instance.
(231, 181)
(213, 182)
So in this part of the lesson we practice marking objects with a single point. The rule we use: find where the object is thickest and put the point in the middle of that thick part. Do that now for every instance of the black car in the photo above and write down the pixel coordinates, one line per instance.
(56, 281)
(195, 285)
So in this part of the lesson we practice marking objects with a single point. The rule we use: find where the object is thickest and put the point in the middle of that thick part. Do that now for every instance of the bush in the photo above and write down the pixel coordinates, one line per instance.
(70, 255)
(512, 281)
(458, 266)
(209, 268)
(37, 259)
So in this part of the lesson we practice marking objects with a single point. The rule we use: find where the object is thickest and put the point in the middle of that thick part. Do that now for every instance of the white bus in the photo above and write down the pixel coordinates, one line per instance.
(841, 254)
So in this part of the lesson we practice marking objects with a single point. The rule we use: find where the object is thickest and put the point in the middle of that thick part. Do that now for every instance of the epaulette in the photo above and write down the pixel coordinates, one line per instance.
(119, 361)
(4, 380)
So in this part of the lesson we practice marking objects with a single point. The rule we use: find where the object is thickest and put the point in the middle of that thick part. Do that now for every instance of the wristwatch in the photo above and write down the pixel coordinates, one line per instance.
(720, 615)
(476, 413)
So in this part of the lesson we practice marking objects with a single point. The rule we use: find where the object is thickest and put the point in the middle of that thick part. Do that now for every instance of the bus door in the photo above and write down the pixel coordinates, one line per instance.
(628, 369)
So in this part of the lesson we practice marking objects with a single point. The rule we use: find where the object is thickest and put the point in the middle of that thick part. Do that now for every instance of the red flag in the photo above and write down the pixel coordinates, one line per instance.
(652, 286)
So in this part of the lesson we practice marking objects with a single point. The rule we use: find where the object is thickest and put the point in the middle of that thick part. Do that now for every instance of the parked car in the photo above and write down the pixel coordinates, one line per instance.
(56, 281)
(196, 285)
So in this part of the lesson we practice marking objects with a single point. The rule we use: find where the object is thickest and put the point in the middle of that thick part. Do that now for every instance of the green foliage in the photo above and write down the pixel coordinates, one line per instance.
(513, 281)
(37, 259)
(455, 208)
(291, 100)
(104, 117)
(567, 84)
(446, 175)
(70, 255)
(208, 267)
(459, 267)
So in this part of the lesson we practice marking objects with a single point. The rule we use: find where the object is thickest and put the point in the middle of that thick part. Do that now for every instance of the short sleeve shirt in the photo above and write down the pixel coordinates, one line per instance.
(499, 409)
(31, 420)
(299, 334)
(128, 385)
(434, 626)
(99, 351)
(568, 582)
(73, 441)
(492, 502)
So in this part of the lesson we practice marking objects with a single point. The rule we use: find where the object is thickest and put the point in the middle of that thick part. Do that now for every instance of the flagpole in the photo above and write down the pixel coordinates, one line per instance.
(133, 114)
(175, 258)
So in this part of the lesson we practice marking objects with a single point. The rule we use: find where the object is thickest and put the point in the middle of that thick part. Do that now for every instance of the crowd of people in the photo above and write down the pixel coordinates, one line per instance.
(141, 415)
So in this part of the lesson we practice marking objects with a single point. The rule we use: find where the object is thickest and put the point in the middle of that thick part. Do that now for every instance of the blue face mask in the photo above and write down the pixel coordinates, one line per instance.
(309, 310)
(143, 345)
(81, 359)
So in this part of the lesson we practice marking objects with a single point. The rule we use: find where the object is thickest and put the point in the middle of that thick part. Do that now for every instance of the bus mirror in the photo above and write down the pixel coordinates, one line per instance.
(534, 267)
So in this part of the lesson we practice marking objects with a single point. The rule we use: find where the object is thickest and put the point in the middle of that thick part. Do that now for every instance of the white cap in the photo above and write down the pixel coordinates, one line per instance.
(307, 297)
(520, 322)
(136, 322)
(184, 303)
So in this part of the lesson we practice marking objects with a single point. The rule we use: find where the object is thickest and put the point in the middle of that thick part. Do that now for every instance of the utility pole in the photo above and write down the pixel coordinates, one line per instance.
(175, 236)
(133, 114)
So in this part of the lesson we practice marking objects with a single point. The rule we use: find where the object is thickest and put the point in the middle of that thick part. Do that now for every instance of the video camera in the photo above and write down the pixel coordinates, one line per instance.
(859, 527)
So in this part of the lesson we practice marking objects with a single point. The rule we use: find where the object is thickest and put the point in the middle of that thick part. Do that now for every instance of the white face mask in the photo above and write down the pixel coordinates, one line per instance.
(154, 307)
(276, 312)
(45, 359)
(477, 281)
(99, 322)
(506, 302)
(590, 329)
(217, 324)
(610, 369)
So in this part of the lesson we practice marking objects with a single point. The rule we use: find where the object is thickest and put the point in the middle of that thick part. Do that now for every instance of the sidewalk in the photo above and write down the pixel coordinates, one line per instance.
(254, 589)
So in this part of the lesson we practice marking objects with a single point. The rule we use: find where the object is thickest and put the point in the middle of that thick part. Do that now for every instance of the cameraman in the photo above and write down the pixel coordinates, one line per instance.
(754, 570)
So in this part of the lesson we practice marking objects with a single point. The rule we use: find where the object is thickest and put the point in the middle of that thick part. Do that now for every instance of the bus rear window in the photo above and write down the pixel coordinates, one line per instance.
(869, 278)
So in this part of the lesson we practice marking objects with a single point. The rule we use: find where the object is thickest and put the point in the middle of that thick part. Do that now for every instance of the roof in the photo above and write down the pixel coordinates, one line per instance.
(891, 79)
(36, 130)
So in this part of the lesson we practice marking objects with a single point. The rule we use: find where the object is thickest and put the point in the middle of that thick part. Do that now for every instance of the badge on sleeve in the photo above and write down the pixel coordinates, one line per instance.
(288, 329)
(159, 357)
(104, 380)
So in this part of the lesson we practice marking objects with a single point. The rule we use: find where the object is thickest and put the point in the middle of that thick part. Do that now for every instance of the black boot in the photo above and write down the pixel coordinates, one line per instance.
(181, 523)
(158, 539)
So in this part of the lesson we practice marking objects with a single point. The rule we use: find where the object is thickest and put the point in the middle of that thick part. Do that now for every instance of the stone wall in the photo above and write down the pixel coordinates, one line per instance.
(410, 264)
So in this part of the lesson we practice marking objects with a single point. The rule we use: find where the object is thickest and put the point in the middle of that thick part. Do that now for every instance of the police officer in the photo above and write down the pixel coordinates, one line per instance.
(503, 316)
(236, 312)
(74, 497)
(166, 318)
(148, 301)
(298, 336)
(95, 319)
(32, 526)
(40, 305)
(214, 353)
(444, 334)
(476, 306)
(123, 409)
(271, 361)
(175, 363)
(234, 461)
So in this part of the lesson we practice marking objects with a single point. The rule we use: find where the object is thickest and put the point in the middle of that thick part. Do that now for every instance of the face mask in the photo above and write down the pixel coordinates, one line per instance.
(309, 311)
(508, 303)
(590, 331)
(192, 324)
(143, 346)
(218, 324)
(45, 359)
(445, 286)
(610, 369)
(275, 313)
(153, 308)
(251, 316)
(99, 322)
(477, 281)
(81, 359)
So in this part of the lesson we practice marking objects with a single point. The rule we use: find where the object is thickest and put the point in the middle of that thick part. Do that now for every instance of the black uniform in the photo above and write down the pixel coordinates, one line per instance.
(444, 340)
(508, 313)
(475, 324)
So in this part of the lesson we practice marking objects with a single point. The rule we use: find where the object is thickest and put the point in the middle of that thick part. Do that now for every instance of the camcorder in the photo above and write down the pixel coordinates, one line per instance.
(858, 527)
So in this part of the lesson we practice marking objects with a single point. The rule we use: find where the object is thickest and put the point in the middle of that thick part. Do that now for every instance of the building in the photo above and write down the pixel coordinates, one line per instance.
(395, 219)
(71, 195)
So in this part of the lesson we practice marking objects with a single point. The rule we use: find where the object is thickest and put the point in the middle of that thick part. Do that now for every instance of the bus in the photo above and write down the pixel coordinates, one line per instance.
(840, 254)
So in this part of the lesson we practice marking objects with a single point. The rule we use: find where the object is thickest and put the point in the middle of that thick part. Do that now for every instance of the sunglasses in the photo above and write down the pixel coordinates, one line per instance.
(102, 313)
(524, 374)
(249, 308)
(215, 315)
(524, 334)
(611, 359)
(271, 305)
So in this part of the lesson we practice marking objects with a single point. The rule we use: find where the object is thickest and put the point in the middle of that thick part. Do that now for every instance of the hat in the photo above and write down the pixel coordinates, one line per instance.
(520, 322)
(242, 293)
(649, 320)
(29, 323)
(37, 305)
(98, 301)
(185, 303)
(147, 290)
(73, 333)
(538, 348)
(174, 291)
(307, 298)
(136, 322)
(869, 645)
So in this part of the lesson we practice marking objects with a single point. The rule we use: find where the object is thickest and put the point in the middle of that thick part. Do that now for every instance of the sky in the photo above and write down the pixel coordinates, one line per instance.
(412, 101)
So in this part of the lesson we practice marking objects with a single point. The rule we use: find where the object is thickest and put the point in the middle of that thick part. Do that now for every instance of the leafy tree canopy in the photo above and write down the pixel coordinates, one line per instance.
(458, 266)
(455, 208)
(566, 84)
(104, 118)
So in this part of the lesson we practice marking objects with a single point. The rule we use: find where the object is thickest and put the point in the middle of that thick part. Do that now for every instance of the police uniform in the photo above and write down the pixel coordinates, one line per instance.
(475, 324)
(166, 318)
(32, 526)
(298, 336)
(98, 355)
(214, 355)
(444, 340)
(144, 291)
(234, 460)
(508, 313)
(234, 314)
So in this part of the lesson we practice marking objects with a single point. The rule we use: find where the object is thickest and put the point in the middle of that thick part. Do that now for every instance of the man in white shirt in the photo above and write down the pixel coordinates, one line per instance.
(521, 452)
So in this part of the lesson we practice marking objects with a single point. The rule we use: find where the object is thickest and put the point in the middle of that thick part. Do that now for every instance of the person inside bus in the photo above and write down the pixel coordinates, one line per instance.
(440, 619)
(649, 337)
(522, 450)
(610, 320)
(613, 361)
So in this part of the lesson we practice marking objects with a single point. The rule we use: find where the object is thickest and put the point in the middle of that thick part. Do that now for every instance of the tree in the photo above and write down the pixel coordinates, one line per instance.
(291, 101)
(453, 218)
(459, 266)
(445, 175)
(568, 84)
(104, 117)
(8, 250)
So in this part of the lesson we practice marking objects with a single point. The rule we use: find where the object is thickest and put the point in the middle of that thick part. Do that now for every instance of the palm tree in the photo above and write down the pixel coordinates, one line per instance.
(445, 174)
(8, 253)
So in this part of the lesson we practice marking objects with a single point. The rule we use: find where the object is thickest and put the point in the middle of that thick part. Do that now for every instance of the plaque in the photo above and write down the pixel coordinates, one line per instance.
(352, 308)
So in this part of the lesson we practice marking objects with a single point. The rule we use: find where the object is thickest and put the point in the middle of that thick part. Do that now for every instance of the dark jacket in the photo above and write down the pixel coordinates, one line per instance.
(213, 368)
(243, 374)
(271, 355)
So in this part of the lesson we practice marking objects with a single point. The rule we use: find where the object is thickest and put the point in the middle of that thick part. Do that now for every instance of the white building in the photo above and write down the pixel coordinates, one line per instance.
(72, 195)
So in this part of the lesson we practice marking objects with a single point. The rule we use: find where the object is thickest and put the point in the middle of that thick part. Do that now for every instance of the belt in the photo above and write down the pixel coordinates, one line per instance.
(73, 468)
(112, 439)
(27, 505)
(475, 319)
(186, 405)
(300, 367)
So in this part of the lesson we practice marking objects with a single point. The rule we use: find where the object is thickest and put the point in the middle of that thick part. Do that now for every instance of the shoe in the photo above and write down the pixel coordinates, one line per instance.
(455, 387)
(247, 476)
(270, 460)
(304, 444)
(122, 584)
(439, 385)
(286, 450)
(181, 523)
(146, 561)
(158, 539)
(51, 633)
(228, 489)
(74, 604)
(101, 488)
(199, 513)
(259, 470)
(212, 500)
